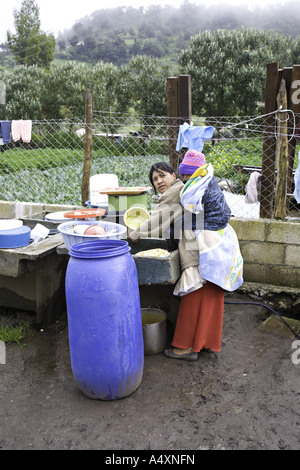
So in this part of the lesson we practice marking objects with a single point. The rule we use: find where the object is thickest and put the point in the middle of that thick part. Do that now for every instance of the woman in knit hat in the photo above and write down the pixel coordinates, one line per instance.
(201, 288)
(200, 315)
(192, 160)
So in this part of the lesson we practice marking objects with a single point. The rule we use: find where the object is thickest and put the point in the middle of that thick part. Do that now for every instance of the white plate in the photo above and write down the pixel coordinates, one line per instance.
(57, 216)
(10, 224)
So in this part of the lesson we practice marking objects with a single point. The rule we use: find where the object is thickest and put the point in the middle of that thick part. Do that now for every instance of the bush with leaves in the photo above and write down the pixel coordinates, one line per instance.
(228, 69)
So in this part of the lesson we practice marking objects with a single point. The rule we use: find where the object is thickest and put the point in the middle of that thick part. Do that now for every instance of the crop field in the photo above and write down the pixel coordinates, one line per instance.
(61, 184)
(54, 175)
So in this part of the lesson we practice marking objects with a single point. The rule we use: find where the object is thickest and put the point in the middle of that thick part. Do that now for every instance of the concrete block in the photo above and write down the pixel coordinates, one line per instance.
(276, 326)
(292, 255)
(284, 275)
(255, 273)
(6, 210)
(264, 253)
(249, 229)
(41, 290)
(59, 207)
(27, 209)
(283, 232)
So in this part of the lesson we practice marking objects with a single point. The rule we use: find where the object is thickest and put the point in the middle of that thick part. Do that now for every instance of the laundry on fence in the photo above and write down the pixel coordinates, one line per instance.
(252, 193)
(192, 137)
(5, 132)
(21, 129)
(297, 183)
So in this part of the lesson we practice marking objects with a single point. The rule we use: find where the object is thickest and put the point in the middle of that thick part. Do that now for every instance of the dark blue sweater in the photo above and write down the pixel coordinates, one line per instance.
(216, 213)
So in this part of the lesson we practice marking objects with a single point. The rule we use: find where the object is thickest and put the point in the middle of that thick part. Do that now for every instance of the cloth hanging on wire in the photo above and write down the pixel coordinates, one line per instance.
(251, 189)
(5, 127)
(21, 129)
(193, 137)
(297, 182)
(297, 132)
(220, 259)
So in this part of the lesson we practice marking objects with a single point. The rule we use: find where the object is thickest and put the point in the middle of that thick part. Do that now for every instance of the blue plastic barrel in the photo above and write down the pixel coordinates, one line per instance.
(104, 319)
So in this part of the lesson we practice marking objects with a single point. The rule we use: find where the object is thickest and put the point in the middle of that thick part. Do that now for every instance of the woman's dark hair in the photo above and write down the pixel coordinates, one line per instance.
(161, 166)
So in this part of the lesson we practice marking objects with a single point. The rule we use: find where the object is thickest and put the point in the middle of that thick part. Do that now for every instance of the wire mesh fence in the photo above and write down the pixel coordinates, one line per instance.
(49, 168)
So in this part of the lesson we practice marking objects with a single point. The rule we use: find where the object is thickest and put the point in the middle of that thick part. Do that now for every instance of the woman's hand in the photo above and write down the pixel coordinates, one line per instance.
(133, 237)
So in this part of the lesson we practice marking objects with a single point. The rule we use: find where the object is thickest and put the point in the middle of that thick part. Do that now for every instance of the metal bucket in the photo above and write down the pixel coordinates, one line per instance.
(154, 324)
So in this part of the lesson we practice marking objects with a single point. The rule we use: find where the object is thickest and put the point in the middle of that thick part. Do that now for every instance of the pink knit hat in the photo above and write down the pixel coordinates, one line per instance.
(191, 161)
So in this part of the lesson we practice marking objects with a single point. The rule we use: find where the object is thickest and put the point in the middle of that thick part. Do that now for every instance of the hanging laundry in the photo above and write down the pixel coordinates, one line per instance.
(26, 127)
(297, 131)
(16, 130)
(252, 188)
(5, 127)
(21, 130)
(192, 137)
(297, 182)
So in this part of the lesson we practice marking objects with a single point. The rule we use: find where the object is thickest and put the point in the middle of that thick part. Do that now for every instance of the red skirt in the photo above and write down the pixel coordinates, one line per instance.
(200, 319)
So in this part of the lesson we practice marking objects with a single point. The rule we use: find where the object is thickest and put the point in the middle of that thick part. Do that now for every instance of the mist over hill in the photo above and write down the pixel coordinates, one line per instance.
(117, 34)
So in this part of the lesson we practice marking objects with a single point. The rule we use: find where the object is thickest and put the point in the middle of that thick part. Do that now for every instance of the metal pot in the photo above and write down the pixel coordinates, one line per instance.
(154, 324)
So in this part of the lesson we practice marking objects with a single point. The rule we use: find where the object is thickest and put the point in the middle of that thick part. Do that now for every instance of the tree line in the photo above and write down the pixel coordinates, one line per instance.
(227, 68)
(59, 93)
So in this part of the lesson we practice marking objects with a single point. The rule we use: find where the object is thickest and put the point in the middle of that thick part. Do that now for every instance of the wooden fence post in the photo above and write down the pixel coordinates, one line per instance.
(269, 143)
(184, 99)
(173, 123)
(179, 99)
(294, 105)
(281, 153)
(87, 148)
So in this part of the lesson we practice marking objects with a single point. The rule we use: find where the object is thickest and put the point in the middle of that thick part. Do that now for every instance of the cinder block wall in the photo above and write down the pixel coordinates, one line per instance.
(11, 209)
(270, 248)
(271, 251)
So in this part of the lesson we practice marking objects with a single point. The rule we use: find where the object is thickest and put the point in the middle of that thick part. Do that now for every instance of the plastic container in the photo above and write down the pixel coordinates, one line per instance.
(70, 237)
(135, 216)
(124, 202)
(15, 238)
(104, 319)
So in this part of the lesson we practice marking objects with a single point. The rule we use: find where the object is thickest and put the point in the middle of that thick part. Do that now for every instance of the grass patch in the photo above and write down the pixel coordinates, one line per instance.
(14, 334)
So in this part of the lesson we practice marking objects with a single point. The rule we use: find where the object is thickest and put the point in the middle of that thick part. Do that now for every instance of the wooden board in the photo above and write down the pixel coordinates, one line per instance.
(123, 191)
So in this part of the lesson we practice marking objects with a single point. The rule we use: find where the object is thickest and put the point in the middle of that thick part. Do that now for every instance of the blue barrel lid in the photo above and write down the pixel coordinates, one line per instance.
(99, 249)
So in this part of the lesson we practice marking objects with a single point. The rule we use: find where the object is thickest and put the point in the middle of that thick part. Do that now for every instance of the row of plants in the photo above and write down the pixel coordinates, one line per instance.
(56, 148)
(54, 176)
(62, 184)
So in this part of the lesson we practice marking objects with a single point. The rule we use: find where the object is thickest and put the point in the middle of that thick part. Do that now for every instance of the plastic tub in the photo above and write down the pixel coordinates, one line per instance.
(113, 232)
(15, 238)
(135, 216)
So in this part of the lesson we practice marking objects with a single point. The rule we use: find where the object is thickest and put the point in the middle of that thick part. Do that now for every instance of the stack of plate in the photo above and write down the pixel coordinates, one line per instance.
(13, 234)
(57, 217)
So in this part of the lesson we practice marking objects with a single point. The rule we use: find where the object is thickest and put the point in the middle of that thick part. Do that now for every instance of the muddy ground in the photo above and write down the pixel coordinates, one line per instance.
(245, 397)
